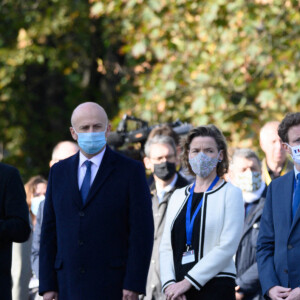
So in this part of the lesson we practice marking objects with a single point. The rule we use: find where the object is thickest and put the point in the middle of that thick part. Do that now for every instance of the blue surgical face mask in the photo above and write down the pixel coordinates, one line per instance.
(91, 142)
(35, 203)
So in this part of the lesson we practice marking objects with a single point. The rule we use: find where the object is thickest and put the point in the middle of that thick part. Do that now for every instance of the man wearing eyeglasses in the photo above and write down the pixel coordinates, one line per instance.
(161, 159)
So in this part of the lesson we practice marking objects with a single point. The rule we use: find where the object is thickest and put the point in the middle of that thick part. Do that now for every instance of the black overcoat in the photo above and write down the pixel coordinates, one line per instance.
(14, 222)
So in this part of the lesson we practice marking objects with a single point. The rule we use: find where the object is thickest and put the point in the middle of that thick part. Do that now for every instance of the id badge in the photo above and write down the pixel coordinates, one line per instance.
(188, 257)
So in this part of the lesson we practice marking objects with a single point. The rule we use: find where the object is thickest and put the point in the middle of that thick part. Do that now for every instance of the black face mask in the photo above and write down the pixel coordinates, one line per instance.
(165, 170)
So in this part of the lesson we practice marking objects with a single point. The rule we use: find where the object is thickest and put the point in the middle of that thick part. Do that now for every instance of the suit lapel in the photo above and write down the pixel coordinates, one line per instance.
(297, 215)
(106, 167)
(251, 218)
(74, 179)
(286, 194)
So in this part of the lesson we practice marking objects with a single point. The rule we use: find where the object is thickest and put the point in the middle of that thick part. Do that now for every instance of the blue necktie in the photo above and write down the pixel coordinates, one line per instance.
(85, 187)
(296, 200)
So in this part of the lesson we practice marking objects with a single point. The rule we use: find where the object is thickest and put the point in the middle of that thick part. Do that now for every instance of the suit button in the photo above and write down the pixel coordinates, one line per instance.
(81, 214)
(285, 271)
(82, 270)
(80, 242)
(290, 247)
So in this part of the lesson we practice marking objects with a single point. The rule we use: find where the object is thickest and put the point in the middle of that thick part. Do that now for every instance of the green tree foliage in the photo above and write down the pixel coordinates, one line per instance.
(48, 64)
(231, 63)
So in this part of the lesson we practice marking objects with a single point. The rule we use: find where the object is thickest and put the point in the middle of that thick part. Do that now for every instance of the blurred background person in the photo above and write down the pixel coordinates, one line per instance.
(275, 163)
(161, 159)
(35, 190)
(167, 130)
(203, 225)
(61, 151)
(245, 173)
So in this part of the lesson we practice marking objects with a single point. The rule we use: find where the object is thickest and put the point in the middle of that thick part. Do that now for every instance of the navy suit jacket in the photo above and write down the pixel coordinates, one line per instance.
(278, 245)
(14, 222)
(96, 250)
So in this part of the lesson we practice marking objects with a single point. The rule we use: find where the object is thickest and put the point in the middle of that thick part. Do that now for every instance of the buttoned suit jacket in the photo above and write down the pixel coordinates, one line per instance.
(14, 222)
(93, 251)
(278, 245)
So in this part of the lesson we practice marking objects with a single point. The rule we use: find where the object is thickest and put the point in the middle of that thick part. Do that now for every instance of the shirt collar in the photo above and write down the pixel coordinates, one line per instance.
(95, 159)
(296, 172)
(168, 187)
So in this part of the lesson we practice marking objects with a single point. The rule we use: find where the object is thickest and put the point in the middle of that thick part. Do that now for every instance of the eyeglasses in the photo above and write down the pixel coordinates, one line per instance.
(160, 159)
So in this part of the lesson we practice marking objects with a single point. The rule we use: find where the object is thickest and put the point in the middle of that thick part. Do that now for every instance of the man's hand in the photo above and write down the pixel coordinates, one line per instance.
(238, 296)
(50, 296)
(279, 292)
(294, 294)
(130, 295)
(176, 290)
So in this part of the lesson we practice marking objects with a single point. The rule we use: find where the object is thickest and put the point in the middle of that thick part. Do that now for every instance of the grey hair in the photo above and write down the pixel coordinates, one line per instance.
(159, 139)
(244, 153)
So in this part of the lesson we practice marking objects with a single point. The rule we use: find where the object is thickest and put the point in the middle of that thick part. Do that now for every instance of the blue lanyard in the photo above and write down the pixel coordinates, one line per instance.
(189, 224)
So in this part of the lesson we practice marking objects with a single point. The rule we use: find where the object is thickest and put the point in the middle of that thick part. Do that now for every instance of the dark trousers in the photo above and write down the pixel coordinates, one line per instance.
(218, 288)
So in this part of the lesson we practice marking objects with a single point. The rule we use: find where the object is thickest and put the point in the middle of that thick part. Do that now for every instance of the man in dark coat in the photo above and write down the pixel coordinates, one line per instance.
(245, 173)
(97, 231)
(161, 158)
(14, 222)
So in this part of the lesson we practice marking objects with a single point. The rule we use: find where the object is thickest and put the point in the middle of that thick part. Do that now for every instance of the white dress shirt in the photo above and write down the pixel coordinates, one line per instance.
(161, 191)
(296, 172)
(96, 162)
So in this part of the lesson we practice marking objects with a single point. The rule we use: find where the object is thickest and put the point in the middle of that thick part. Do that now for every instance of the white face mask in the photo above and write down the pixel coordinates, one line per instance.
(35, 203)
(248, 181)
(295, 153)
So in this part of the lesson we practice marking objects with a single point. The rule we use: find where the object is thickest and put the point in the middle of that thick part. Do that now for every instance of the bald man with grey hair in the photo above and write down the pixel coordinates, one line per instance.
(275, 163)
(62, 151)
(97, 232)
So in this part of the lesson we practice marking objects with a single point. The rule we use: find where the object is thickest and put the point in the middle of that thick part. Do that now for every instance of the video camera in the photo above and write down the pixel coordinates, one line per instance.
(139, 134)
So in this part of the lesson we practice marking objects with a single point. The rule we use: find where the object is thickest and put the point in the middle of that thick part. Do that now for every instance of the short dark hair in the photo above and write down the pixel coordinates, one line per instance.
(290, 120)
(211, 131)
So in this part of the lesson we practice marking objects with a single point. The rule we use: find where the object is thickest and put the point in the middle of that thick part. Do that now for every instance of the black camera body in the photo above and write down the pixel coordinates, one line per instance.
(123, 136)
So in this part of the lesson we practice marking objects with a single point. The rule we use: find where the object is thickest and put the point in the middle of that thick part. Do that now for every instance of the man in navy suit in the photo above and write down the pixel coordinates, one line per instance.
(278, 246)
(14, 222)
(97, 231)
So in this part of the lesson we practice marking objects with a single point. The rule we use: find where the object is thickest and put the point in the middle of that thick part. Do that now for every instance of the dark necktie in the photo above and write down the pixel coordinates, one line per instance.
(85, 187)
(296, 200)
